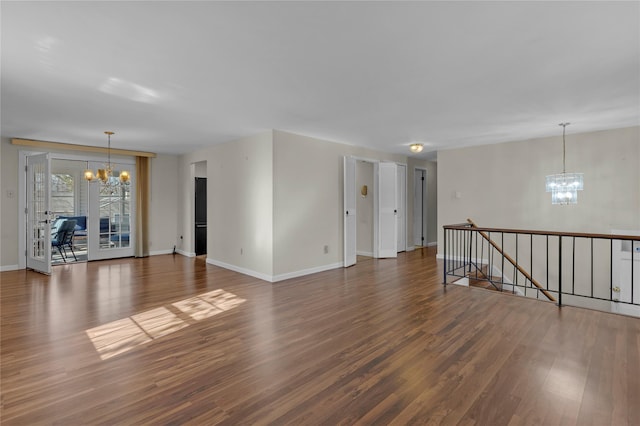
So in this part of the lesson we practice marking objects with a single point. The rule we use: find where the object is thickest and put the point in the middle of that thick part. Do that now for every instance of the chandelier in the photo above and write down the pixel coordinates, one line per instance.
(112, 179)
(564, 186)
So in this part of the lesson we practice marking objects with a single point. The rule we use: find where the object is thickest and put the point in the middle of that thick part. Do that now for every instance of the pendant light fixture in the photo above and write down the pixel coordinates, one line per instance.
(564, 186)
(109, 177)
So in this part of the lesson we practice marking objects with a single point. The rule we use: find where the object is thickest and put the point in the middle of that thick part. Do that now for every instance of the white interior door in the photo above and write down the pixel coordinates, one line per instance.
(111, 221)
(401, 202)
(349, 182)
(387, 210)
(38, 216)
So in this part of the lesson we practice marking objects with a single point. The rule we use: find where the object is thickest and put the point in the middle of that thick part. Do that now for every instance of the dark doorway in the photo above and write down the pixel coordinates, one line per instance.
(201, 216)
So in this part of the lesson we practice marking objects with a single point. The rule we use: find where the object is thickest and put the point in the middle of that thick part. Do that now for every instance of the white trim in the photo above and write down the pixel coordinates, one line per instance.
(159, 252)
(364, 253)
(185, 253)
(304, 272)
(9, 268)
(275, 278)
(244, 271)
(411, 248)
(432, 244)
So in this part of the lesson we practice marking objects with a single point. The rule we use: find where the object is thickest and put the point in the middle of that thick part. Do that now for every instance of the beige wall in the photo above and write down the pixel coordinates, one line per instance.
(364, 208)
(239, 203)
(503, 185)
(9, 207)
(164, 197)
(308, 198)
(162, 228)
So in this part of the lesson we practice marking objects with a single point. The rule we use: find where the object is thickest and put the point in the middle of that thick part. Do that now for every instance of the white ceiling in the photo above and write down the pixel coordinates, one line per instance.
(172, 77)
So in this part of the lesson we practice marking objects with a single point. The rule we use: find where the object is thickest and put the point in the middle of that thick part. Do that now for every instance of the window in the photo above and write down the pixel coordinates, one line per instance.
(62, 194)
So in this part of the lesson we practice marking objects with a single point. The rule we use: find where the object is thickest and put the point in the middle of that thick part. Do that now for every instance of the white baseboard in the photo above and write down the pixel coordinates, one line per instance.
(9, 268)
(364, 253)
(241, 270)
(158, 252)
(303, 272)
(185, 253)
(432, 244)
(411, 248)
(274, 278)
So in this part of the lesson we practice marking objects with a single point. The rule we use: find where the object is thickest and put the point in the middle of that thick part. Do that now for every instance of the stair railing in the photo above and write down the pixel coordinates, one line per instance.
(586, 269)
(515, 264)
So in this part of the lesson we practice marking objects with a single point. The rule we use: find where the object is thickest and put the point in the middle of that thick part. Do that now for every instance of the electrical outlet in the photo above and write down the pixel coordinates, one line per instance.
(326, 249)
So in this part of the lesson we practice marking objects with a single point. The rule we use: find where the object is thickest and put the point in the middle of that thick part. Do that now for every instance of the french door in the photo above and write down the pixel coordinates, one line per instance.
(38, 245)
(387, 210)
(111, 220)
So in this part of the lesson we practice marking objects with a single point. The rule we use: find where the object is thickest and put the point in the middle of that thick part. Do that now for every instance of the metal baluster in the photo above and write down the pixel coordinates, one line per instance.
(591, 267)
(444, 275)
(559, 270)
(573, 266)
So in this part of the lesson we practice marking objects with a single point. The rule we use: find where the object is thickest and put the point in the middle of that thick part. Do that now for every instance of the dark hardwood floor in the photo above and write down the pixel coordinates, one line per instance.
(172, 340)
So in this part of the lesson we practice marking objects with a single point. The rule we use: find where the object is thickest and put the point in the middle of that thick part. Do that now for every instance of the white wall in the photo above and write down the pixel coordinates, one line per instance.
(503, 185)
(364, 208)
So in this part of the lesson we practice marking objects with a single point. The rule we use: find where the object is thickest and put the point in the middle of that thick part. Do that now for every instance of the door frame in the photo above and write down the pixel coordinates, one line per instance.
(424, 213)
(22, 188)
(403, 189)
(374, 193)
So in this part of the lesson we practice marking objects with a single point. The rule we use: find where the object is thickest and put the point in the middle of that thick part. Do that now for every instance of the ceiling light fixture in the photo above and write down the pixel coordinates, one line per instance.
(564, 186)
(416, 147)
(110, 178)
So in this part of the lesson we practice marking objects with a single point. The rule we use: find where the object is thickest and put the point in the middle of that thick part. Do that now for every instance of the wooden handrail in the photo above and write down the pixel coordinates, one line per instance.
(550, 233)
(513, 262)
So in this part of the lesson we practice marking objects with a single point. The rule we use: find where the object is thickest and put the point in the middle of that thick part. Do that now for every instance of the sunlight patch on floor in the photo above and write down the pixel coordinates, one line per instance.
(125, 334)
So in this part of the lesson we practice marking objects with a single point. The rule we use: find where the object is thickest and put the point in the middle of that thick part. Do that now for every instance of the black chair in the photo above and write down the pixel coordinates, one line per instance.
(64, 238)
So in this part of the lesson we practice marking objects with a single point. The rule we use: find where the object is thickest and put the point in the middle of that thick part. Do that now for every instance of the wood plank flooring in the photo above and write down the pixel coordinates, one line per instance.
(172, 340)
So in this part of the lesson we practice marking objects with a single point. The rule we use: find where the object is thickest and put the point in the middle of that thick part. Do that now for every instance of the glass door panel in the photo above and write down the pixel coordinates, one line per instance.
(111, 218)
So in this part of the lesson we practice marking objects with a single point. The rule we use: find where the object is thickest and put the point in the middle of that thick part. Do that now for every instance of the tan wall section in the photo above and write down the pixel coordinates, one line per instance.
(164, 197)
(9, 206)
(239, 203)
(308, 199)
(503, 185)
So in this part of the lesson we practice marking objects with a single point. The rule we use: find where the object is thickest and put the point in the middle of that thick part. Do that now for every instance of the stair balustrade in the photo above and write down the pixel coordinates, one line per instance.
(597, 271)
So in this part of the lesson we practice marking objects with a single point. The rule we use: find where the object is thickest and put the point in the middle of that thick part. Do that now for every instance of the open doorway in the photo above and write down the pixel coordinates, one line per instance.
(364, 210)
(200, 208)
(69, 205)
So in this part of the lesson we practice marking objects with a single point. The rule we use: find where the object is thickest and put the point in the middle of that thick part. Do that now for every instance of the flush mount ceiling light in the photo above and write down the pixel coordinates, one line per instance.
(110, 178)
(564, 186)
(416, 147)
